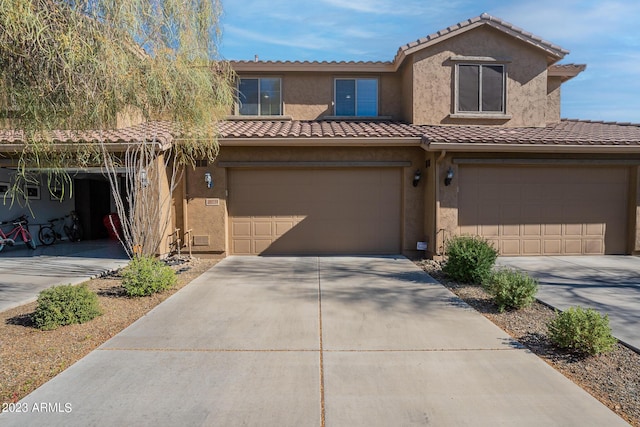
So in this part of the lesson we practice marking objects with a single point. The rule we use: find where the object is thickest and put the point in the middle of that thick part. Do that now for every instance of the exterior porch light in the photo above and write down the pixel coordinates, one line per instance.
(417, 176)
(208, 180)
(449, 177)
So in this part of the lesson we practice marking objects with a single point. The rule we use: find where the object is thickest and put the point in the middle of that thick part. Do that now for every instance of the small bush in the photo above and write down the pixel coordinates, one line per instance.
(65, 305)
(511, 288)
(469, 259)
(147, 275)
(585, 331)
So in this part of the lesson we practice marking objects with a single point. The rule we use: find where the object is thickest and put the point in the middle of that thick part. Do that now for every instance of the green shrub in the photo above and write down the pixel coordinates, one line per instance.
(585, 331)
(65, 305)
(147, 275)
(469, 259)
(511, 288)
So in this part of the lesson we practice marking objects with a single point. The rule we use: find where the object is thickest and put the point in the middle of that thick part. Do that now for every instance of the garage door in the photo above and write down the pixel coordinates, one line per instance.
(546, 210)
(317, 211)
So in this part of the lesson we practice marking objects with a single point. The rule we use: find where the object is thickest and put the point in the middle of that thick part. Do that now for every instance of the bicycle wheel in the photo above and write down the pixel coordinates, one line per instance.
(46, 235)
(28, 240)
(72, 233)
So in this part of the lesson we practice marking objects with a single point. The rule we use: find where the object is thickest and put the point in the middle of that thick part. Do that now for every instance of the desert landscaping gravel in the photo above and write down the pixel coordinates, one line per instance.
(613, 378)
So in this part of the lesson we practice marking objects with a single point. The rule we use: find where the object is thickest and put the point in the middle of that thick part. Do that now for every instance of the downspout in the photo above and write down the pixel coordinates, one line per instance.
(439, 160)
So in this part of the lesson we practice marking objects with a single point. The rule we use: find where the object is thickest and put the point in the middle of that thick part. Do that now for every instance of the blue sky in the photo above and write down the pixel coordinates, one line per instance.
(605, 35)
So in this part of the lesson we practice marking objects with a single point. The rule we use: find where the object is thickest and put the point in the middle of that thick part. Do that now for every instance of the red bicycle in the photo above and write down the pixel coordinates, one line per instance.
(19, 230)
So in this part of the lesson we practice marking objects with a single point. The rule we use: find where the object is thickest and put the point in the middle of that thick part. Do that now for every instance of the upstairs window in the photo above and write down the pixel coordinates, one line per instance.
(260, 96)
(356, 97)
(481, 88)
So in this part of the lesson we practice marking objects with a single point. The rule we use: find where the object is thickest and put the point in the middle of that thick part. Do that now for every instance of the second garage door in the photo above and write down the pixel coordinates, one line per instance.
(546, 210)
(317, 211)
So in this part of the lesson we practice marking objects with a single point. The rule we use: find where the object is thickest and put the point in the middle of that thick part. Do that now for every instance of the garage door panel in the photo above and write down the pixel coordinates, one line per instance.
(510, 247)
(552, 229)
(549, 210)
(315, 211)
(593, 247)
(572, 247)
(531, 230)
(531, 247)
(552, 247)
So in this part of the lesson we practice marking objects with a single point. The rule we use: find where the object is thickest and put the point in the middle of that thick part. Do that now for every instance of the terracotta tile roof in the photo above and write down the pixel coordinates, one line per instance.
(317, 129)
(567, 132)
(485, 19)
(161, 132)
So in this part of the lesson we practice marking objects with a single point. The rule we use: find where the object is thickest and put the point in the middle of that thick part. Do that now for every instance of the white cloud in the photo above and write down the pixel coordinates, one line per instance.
(572, 21)
(307, 41)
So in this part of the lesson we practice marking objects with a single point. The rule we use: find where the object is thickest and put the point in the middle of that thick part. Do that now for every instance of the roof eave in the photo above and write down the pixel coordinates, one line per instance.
(529, 147)
(111, 147)
(554, 53)
(321, 141)
(333, 67)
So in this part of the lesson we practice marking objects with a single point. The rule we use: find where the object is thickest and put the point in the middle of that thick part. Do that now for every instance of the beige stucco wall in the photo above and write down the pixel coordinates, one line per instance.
(211, 221)
(406, 75)
(309, 96)
(553, 100)
(206, 222)
(434, 76)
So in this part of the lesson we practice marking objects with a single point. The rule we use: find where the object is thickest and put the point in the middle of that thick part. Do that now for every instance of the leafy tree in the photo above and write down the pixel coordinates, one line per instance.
(80, 65)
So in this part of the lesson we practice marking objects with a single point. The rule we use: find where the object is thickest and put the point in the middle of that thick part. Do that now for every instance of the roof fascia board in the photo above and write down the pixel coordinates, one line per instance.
(331, 67)
(566, 73)
(111, 147)
(554, 55)
(322, 142)
(475, 147)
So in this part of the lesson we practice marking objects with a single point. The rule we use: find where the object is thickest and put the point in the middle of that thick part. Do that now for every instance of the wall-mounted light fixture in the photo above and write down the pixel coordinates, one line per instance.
(449, 177)
(144, 180)
(208, 180)
(417, 176)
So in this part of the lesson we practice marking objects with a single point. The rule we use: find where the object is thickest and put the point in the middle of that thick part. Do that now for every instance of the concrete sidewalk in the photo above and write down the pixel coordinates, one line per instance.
(609, 284)
(308, 341)
(25, 272)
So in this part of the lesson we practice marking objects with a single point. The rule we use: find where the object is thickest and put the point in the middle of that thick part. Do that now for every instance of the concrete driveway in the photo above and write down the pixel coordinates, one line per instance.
(25, 272)
(308, 341)
(609, 284)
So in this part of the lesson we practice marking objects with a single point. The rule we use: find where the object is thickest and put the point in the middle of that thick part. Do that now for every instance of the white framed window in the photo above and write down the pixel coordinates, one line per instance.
(356, 97)
(480, 88)
(260, 96)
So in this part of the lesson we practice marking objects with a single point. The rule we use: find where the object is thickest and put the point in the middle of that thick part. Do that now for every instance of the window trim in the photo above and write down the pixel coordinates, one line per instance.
(355, 79)
(259, 115)
(480, 62)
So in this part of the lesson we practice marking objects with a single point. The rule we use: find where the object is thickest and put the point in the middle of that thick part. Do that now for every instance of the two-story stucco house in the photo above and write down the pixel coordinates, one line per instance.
(459, 134)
